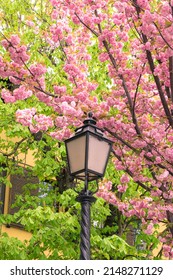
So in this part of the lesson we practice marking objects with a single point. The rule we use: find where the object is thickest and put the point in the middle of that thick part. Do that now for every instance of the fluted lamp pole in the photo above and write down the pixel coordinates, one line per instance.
(87, 154)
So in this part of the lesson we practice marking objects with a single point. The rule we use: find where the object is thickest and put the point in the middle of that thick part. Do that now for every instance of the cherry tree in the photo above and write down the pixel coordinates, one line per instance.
(114, 58)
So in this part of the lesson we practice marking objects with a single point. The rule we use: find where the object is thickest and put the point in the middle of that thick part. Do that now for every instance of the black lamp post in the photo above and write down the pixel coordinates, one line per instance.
(87, 154)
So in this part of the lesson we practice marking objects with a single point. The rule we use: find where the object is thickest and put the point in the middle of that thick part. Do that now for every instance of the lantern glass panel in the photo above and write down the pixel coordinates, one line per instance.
(98, 154)
(76, 153)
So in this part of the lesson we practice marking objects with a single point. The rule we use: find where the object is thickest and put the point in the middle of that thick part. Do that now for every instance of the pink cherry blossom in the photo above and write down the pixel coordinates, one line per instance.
(7, 96)
(122, 188)
(149, 229)
(59, 89)
(21, 93)
(37, 69)
(124, 179)
(25, 116)
(15, 40)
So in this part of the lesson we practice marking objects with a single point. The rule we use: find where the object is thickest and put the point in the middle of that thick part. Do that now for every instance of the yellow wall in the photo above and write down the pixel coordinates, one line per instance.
(16, 232)
(28, 159)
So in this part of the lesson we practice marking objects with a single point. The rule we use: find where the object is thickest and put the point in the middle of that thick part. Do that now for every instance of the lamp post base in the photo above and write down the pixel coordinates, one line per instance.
(85, 198)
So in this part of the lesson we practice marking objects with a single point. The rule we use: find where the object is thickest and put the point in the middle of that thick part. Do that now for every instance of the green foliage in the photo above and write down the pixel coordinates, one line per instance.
(53, 215)
(112, 247)
(56, 235)
(12, 248)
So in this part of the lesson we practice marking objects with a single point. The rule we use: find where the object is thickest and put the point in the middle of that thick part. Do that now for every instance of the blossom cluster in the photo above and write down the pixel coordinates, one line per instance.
(29, 118)
(19, 93)
(18, 53)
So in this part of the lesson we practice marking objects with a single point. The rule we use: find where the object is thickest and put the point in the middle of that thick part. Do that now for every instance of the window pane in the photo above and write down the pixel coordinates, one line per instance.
(18, 182)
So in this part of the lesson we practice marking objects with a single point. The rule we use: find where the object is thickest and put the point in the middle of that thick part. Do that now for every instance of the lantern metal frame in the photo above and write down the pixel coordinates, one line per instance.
(87, 130)
(85, 197)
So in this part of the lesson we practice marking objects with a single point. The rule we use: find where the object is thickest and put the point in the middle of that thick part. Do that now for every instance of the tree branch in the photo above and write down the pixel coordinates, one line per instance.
(136, 91)
(15, 148)
(93, 31)
(171, 75)
(162, 36)
(37, 88)
(131, 174)
(62, 48)
(135, 150)
(158, 84)
(152, 68)
(112, 59)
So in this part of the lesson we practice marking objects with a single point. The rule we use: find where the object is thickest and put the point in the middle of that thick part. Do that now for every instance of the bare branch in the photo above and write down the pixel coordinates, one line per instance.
(136, 91)
(162, 36)
(15, 148)
(93, 31)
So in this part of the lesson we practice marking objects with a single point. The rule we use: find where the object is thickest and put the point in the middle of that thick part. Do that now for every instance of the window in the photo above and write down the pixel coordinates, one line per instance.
(18, 182)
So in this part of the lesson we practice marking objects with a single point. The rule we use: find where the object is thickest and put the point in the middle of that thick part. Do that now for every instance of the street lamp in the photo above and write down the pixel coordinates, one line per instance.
(87, 154)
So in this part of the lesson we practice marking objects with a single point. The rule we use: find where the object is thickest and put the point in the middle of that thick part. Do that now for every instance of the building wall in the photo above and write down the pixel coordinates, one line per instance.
(16, 231)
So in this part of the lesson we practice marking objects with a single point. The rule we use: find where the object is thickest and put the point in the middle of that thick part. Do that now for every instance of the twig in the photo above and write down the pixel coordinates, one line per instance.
(162, 36)
(93, 31)
(15, 148)
(136, 92)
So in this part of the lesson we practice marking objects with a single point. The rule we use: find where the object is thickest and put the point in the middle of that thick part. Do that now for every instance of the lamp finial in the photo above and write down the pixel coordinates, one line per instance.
(90, 115)
(90, 119)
